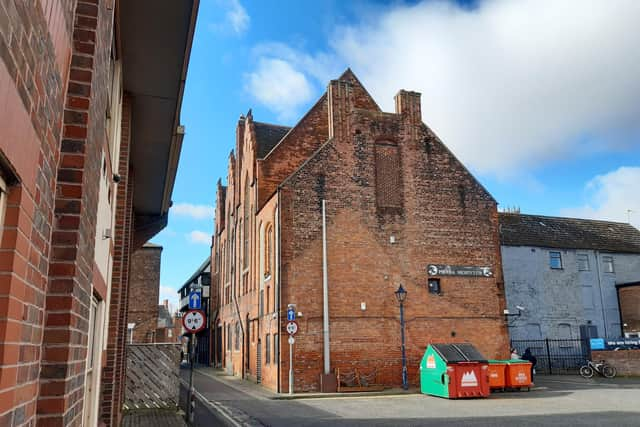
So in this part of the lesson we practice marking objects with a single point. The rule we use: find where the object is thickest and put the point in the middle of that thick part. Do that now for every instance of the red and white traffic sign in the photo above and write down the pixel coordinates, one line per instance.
(292, 327)
(194, 321)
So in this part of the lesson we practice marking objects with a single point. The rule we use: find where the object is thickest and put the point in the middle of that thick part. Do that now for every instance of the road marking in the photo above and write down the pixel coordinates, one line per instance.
(221, 409)
(585, 384)
(379, 396)
(249, 392)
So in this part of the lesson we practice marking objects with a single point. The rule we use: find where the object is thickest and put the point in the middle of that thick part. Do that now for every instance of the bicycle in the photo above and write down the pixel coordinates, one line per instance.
(600, 367)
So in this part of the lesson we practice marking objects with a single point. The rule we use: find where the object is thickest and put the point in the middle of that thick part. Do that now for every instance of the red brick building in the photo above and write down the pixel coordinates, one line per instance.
(397, 201)
(90, 95)
(144, 286)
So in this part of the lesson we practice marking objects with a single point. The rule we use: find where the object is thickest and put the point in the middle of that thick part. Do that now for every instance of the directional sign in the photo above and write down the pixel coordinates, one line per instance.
(194, 321)
(195, 300)
(292, 327)
(291, 314)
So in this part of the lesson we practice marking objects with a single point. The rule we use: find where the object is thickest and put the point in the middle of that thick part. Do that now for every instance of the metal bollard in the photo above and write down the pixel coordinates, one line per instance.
(192, 405)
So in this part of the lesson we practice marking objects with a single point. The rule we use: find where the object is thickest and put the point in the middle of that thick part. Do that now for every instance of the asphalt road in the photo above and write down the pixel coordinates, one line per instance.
(558, 400)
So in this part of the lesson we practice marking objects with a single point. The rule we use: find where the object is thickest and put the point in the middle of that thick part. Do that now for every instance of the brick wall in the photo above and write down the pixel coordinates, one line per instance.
(444, 217)
(629, 298)
(144, 287)
(35, 49)
(626, 362)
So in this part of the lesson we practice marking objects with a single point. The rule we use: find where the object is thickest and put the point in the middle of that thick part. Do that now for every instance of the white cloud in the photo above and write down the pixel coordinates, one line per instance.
(278, 85)
(193, 211)
(611, 196)
(511, 83)
(236, 19)
(237, 16)
(321, 66)
(169, 293)
(508, 85)
(199, 237)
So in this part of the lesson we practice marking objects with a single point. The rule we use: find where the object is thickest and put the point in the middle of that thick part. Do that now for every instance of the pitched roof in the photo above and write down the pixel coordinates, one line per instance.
(568, 233)
(267, 136)
(198, 272)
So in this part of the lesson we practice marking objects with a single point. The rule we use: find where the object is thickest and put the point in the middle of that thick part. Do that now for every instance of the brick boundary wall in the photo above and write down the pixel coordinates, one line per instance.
(626, 362)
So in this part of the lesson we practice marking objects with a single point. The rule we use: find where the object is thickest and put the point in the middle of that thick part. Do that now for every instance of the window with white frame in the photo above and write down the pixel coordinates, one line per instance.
(583, 262)
(607, 264)
(555, 260)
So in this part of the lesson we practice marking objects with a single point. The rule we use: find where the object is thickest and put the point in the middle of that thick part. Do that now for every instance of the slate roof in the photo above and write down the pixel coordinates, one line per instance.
(267, 136)
(568, 233)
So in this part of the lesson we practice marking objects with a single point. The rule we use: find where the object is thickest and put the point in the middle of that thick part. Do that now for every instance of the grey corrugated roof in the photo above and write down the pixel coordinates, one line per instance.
(267, 136)
(568, 233)
(462, 352)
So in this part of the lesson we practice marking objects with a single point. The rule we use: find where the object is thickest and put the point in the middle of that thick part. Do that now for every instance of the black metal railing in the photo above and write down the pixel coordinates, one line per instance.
(556, 356)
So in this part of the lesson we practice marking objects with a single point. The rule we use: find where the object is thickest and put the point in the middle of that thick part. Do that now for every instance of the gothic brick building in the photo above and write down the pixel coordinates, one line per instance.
(90, 135)
(397, 200)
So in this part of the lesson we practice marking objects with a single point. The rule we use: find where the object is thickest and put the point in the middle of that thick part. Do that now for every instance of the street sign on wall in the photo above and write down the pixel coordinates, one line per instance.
(458, 270)
(194, 321)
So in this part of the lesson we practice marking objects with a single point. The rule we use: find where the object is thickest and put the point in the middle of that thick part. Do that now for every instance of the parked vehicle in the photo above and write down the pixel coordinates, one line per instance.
(600, 367)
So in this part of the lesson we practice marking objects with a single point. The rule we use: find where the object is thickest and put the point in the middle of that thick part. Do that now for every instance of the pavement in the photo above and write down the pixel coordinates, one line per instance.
(555, 400)
(153, 418)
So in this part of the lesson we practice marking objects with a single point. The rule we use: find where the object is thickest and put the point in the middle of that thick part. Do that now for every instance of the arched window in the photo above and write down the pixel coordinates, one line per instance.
(246, 223)
(268, 250)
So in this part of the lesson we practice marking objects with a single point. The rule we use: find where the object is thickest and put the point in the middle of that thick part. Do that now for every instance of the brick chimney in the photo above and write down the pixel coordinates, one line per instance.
(408, 103)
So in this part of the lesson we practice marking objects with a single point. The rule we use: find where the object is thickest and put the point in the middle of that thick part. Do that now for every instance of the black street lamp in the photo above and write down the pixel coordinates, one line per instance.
(401, 294)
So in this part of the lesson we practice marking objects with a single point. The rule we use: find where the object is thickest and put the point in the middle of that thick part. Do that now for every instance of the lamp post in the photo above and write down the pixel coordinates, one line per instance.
(401, 294)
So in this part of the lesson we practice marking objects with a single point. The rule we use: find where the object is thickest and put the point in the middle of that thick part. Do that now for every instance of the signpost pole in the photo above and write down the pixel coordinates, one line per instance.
(190, 397)
(290, 367)
(405, 383)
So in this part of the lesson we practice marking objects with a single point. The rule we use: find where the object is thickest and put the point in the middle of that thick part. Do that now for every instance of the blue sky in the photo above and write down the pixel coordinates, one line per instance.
(540, 99)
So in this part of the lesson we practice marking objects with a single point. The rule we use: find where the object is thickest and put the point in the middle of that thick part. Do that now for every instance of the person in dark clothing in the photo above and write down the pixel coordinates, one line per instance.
(530, 358)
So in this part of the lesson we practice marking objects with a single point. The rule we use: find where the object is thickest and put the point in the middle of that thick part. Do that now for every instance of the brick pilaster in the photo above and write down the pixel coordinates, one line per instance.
(113, 373)
(68, 299)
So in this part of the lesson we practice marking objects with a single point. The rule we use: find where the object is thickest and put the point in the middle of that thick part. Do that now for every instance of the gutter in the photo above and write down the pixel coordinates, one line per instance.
(602, 307)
